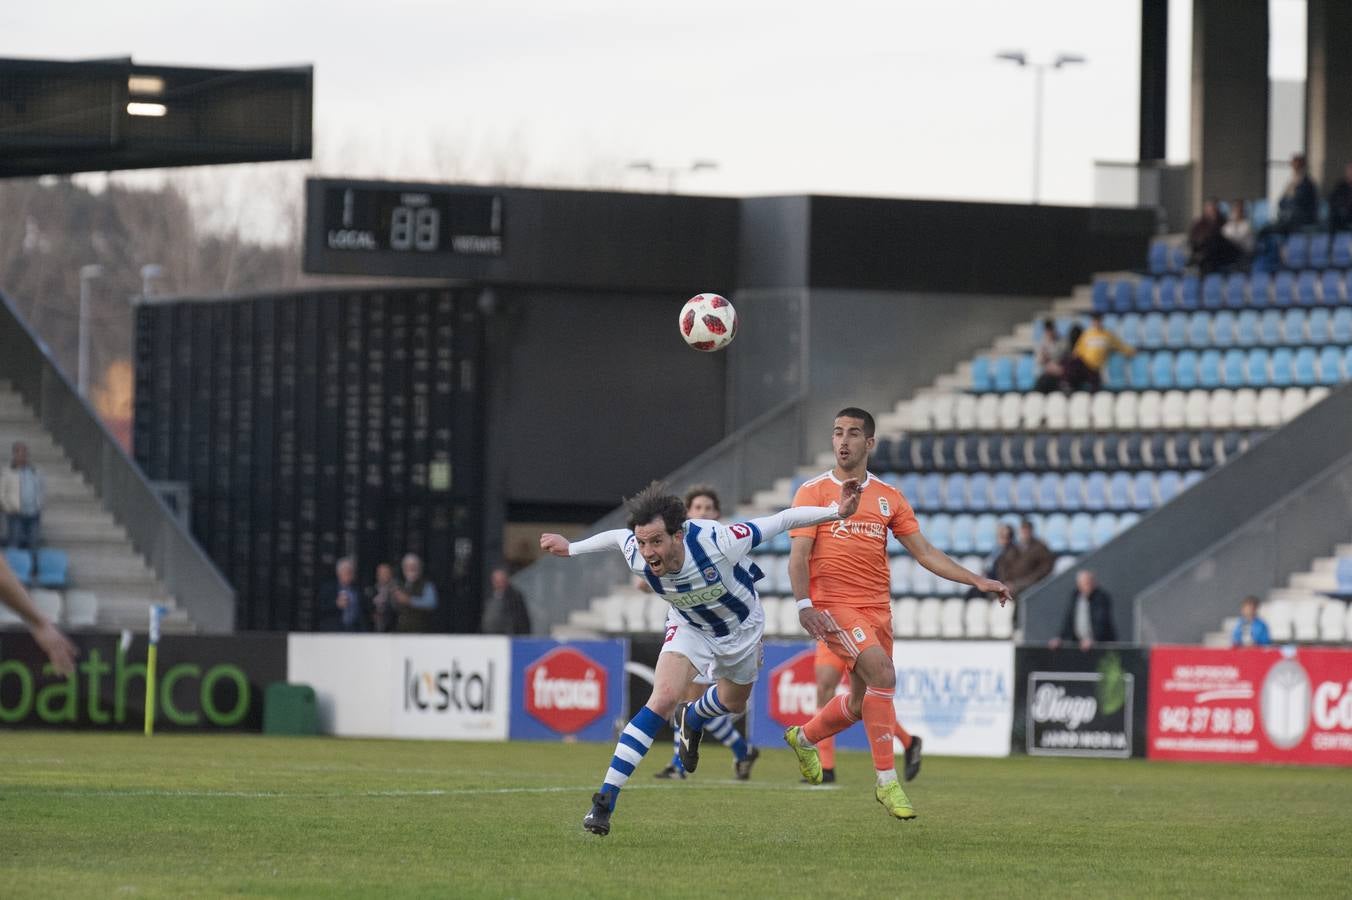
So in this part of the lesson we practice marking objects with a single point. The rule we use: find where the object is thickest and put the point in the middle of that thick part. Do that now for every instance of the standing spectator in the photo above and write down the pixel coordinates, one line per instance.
(1238, 230)
(1250, 631)
(1003, 561)
(1033, 563)
(22, 495)
(1210, 250)
(415, 598)
(1299, 204)
(1340, 202)
(505, 609)
(1090, 353)
(1089, 617)
(1050, 355)
(341, 601)
(380, 599)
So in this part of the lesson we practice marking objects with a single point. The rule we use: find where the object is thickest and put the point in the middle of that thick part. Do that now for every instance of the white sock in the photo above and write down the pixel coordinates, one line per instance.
(803, 741)
(886, 776)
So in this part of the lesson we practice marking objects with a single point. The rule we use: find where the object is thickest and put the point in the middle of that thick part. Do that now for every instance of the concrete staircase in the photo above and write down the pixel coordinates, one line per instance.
(102, 558)
(1302, 611)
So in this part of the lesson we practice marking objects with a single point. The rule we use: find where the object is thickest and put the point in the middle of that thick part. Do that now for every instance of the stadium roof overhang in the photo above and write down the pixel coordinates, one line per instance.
(58, 118)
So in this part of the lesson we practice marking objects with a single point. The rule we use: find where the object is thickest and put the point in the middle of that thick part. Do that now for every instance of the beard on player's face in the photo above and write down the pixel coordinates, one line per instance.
(659, 549)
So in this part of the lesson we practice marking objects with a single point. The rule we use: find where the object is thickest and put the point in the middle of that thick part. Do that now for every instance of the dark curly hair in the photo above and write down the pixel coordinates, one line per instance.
(656, 502)
(702, 490)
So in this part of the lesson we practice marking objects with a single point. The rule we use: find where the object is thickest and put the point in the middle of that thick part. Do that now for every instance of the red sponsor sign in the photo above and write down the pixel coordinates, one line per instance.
(793, 689)
(566, 690)
(1251, 705)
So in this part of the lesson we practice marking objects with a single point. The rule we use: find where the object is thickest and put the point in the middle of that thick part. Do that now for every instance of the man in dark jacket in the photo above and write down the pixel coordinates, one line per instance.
(505, 609)
(1089, 618)
(1340, 202)
(1033, 562)
(342, 606)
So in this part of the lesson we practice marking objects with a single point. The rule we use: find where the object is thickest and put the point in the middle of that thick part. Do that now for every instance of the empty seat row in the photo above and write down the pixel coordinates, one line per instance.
(1061, 451)
(1050, 491)
(1314, 619)
(48, 567)
(1317, 250)
(74, 609)
(1256, 367)
(1144, 293)
(1107, 410)
(1224, 328)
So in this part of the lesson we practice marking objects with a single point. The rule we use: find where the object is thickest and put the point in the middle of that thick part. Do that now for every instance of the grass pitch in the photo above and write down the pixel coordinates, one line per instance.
(102, 815)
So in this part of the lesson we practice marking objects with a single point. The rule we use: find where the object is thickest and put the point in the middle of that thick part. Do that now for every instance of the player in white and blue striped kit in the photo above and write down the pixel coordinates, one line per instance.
(698, 567)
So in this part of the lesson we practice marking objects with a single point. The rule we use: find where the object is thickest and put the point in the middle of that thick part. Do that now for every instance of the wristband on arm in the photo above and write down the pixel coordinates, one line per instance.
(805, 603)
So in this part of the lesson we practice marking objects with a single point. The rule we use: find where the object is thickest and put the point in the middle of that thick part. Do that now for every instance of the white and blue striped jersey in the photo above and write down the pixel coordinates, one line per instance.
(715, 590)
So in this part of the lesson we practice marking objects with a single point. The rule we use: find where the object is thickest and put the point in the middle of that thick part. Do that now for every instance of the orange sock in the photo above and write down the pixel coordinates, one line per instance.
(902, 734)
(879, 717)
(833, 718)
(826, 752)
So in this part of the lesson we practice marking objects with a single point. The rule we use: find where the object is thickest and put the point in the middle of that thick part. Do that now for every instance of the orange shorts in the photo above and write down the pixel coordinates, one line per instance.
(854, 629)
(827, 657)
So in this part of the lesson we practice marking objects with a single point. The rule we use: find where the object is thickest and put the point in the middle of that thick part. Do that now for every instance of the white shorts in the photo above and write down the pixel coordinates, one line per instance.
(737, 657)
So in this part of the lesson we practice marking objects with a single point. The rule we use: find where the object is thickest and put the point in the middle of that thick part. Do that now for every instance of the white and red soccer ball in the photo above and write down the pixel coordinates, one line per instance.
(708, 322)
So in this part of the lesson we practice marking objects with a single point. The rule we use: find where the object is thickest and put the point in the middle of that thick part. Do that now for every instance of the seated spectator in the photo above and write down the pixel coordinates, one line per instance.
(1211, 252)
(1089, 617)
(505, 610)
(1250, 631)
(415, 598)
(22, 496)
(1090, 353)
(342, 607)
(1238, 230)
(1298, 206)
(1340, 202)
(380, 599)
(1002, 561)
(1034, 562)
(1050, 354)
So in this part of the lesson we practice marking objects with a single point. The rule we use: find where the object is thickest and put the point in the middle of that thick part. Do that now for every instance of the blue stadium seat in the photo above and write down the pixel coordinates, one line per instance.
(981, 374)
(1025, 373)
(1347, 363)
(1319, 251)
(1256, 368)
(1296, 251)
(1038, 451)
(1282, 365)
(1307, 288)
(1096, 491)
(1222, 330)
(1284, 289)
(939, 529)
(1306, 367)
(1232, 368)
(1072, 491)
(1152, 330)
(1185, 369)
(781, 543)
(21, 561)
(1002, 374)
(1049, 492)
(1190, 296)
(1293, 326)
(1055, 530)
(1162, 370)
(1235, 288)
(983, 532)
(1080, 533)
(1025, 491)
(1341, 253)
(931, 491)
(1270, 327)
(1119, 491)
(1002, 491)
(1129, 328)
(1178, 258)
(1138, 373)
(1168, 486)
(1213, 291)
(978, 491)
(1340, 326)
(1125, 521)
(1192, 478)
(1116, 375)
(1166, 292)
(963, 538)
(1144, 295)
(1176, 330)
(1209, 369)
(955, 491)
(1102, 303)
(1246, 328)
(1106, 527)
(53, 568)
(1143, 490)
(910, 486)
(1199, 329)
(1331, 287)
(1260, 289)
(1123, 295)
(1317, 326)
(1158, 258)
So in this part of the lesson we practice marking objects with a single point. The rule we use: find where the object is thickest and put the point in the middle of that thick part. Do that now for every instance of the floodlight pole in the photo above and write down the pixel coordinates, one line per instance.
(672, 172)
(1020, 59)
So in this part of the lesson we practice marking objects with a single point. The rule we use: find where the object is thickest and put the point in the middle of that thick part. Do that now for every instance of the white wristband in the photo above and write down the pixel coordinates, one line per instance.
(805, 603)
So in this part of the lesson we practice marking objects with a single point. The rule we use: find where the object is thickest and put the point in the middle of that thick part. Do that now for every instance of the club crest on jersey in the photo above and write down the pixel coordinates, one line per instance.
(884, 507)
(710, 574)
(858, 633)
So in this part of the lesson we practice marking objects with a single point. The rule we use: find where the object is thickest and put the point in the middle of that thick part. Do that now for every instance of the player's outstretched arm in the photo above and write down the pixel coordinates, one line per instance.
(56, 645)
(805, 516)
(941, 564)
(559, 545)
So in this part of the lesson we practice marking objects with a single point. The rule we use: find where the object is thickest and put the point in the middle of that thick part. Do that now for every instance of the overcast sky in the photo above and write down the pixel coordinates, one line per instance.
(896, 98)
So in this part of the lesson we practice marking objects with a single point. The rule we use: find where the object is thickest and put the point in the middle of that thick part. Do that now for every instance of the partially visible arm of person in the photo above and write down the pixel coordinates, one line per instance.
(813, 620)
(56, 645)
(941, 564)
(559, 545)
(427, 599)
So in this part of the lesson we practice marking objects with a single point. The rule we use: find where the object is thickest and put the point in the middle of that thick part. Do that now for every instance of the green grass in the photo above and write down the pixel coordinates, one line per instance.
(104, 815)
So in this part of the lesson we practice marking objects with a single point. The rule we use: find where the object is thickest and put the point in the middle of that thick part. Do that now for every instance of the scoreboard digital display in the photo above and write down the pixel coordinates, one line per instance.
(423, 221)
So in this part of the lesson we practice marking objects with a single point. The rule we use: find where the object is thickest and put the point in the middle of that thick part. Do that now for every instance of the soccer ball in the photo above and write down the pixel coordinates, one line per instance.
(708, 322)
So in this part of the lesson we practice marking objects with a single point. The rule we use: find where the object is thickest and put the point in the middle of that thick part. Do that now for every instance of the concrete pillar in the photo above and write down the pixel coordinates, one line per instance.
(1328, 90)
(1154, 79)
(1229, 98)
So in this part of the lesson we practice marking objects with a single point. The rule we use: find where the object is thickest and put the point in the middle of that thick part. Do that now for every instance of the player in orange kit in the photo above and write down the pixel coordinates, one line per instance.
(840, 574)
(831, 673)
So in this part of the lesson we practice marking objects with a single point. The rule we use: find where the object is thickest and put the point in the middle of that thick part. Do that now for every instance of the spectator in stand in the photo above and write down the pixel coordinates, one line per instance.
(1250, 631)
(1340, 202)
(341, 602)
(1050, 355)
(1090, 353)
(380, 599)
(1002, 563)
(1211, 252)
(1089, 617)
(22, 496)
(1033, 563)
(505, 609)
(1299, 204)
(1238, 230)
(415, 598)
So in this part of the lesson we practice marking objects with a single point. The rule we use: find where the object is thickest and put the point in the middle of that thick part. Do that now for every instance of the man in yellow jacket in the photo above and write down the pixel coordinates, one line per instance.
(1090, 354)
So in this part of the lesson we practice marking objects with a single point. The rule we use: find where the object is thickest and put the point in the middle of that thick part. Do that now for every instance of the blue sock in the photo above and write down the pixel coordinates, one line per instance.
(722, 729)
(676, 754)
(635, 740)
(705, 708)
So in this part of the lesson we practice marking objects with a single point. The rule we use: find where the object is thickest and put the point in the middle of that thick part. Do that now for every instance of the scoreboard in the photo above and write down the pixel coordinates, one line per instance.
(315, 425)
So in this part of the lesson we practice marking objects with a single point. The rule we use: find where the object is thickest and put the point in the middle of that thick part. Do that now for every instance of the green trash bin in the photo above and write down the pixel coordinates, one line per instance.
(290, 709)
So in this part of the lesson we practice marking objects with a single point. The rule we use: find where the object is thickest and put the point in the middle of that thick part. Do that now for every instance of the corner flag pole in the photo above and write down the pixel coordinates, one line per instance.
(156, 613)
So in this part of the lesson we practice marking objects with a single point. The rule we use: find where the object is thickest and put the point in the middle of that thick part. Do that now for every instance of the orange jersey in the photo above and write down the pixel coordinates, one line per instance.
(848, 565)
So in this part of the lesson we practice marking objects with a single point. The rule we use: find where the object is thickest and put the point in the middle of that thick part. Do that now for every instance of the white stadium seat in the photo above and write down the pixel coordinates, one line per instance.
(905, 617)
(976, 618)
(1305, 619)
(1315, 394)
(1245, 408)
(930, 617)
(1277, 614)
(1220, 410)
(964, 412)
(901, 574)
(918, 414)
(1054, 412)
(988, 412)
(82, 609)
(634, 611)
(951, 617)
(773, 607)
(1124, 412)
(1333, 620)
(1148, 409)
(47, 602)
(1077, 410)
(1293, 403)
(1001, 620)
(1173, 409)
(1196, 411)
(941, 411)
(1102, 412)
(656, 613)
(1011, 410)
(1034, 405)
(1270, 407)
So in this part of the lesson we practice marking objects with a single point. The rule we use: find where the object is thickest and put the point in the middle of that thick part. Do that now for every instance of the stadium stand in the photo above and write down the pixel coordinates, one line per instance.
(1314, 607)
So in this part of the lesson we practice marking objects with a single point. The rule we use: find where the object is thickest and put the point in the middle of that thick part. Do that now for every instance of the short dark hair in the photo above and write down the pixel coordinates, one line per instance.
(1096, 316)
(1026, 523)
(656, 502)
(1250, 599)
(702, 490)
(854, 412)
(1048, 325)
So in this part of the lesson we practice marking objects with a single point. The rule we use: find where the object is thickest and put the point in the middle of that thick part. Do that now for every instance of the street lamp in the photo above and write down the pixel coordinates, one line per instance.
(1020, 59)
(87, 274)
(672, 172)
